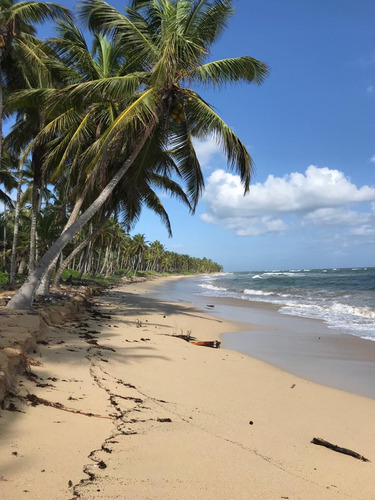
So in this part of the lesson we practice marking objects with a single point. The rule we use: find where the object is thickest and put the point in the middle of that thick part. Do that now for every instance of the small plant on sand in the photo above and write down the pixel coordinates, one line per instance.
(185, 336)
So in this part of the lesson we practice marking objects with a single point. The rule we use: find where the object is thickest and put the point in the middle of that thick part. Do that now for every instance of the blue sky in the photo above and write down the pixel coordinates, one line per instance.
(310, 130)
(315, 110)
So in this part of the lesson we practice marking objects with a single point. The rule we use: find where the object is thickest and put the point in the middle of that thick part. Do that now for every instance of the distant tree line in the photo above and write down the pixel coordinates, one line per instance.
(102, 251)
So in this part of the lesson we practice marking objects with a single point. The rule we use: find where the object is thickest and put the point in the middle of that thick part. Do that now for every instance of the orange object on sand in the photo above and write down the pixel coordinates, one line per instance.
(208, 343)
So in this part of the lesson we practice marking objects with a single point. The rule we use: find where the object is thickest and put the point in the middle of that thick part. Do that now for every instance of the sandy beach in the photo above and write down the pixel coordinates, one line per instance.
(138, 413)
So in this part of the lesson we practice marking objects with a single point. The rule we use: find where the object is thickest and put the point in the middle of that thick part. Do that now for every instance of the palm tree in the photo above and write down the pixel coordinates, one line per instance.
(139, 248)
(105, 61)
(17, 216)
(17, 30)
(80, 126)
(7, 179)
(168, 42)
(39, 73)
(156, 250)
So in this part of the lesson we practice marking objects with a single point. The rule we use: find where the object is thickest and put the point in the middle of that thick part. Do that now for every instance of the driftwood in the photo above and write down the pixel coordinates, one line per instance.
(334, 447)
(208, 343)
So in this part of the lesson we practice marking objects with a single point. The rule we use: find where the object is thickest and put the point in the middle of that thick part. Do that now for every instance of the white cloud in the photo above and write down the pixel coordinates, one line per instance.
(364, 230)
(370, 89)
(207, 152)
(372, 159)
(252, 226)
(337, 217)
(319, 196)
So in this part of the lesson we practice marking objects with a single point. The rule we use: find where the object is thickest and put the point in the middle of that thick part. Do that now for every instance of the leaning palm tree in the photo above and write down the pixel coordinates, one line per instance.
(127, 201)
(168, 44)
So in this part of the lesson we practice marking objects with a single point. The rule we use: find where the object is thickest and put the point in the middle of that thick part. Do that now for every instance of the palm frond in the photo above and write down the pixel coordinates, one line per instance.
(182, 150)
(204, 120)
(152, 201)
(138, 114)
(38, 12)
(71, 47)
(231, 70)
(100, 15)
(33, 63)
(29, 98)
(194, 13)
(169, 186)
(210, 22)
(111, 89)
(79, 137)
(6, 199)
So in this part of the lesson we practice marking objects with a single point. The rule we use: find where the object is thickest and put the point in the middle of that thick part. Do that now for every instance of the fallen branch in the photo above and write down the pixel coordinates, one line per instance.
(334, 447)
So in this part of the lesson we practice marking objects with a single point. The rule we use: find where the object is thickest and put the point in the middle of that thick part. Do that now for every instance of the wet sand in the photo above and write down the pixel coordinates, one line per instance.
(302, 346)
(154, 417)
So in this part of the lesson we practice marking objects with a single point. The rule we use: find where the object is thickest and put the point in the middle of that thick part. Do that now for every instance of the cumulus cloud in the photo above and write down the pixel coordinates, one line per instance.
(249, 226)
(337, 217)
(320, 196)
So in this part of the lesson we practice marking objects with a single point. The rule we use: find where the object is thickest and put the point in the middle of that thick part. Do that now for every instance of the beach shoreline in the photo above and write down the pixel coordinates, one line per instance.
(171, 420)
(305, 347)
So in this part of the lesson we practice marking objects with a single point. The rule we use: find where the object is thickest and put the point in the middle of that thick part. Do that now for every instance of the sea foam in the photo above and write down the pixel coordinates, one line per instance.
(212, 287)
(248, 291)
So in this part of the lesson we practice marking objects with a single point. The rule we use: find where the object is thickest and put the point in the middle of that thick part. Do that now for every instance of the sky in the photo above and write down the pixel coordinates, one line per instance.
(310, 131)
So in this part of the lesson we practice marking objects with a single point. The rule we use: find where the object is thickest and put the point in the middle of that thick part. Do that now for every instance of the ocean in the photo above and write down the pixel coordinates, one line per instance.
(344, 298)
(311, 323)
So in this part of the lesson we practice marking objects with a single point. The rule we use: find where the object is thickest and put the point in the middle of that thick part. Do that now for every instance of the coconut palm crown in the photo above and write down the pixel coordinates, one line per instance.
(169, 40)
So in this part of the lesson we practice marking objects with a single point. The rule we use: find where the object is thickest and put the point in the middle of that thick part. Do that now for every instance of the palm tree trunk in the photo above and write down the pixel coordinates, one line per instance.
(5, 237)
(79, 267)
(21, 266)
(86, 259)
(23, 299)
(105, 260)
(17, 214)
(1, 100)
(96, 270)
(66, 262)
(34, 212)
(75, 252)
(86, 263)
(44, 287)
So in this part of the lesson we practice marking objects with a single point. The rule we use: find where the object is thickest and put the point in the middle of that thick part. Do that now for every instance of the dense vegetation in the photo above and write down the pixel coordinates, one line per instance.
(103, 123)
(111, 251)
